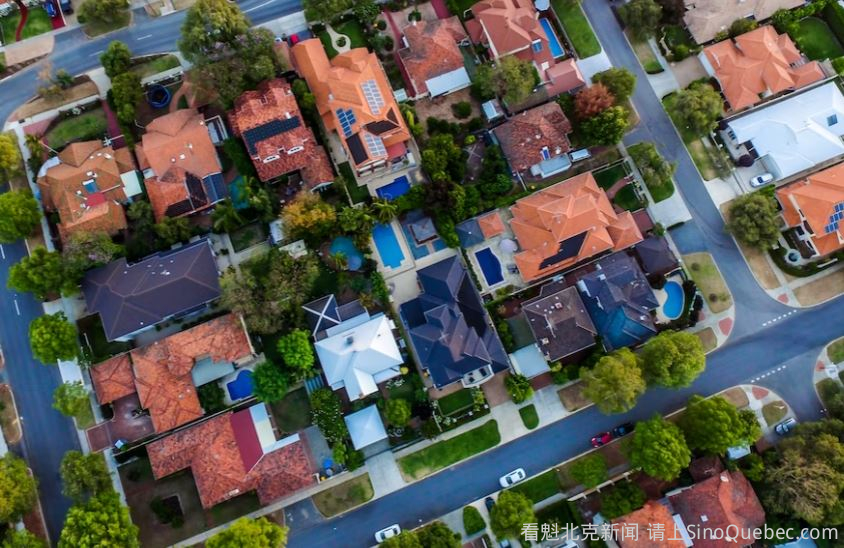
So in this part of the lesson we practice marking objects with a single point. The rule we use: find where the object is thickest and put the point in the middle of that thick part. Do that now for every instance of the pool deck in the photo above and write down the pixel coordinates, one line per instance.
(223, 382)
(504, 257)
(406, 264)
(662, 296)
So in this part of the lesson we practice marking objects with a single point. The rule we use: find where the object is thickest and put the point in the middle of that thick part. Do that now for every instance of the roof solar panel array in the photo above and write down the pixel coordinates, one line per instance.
(375, 145)
(373, 96)
(347, 120)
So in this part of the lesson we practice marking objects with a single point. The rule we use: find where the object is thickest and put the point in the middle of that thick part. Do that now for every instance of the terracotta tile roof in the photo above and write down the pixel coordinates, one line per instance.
(270, 123)
(814, 200)
(706, 18)
(212, 452)
(717, 503)
(565, 76)
(759, 62)
(491, 224)
(113, 379)
(524, 136)
(643, 521)
(510, 26)
(338, 86)
(563, 224)
(432, 50)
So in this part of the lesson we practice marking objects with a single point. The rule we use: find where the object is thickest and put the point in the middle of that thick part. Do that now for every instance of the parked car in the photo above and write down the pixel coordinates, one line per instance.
(50, 9)
(67, 7)
(388, 532)
(761, 180)
(785, 426)
(489, 503)
(512, 478)
(623, 429)
(601, 439)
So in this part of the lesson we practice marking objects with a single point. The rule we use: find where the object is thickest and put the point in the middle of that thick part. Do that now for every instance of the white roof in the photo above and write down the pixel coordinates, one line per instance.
(448, 82)
(357, 355)
(365, 427)
(529, 361)
(797, 133)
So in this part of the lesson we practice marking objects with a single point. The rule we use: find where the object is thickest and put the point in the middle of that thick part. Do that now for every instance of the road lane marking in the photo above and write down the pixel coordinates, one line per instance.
(767, 374)
(96, 53)
(259, 6)
(3, 252)
(17, 309)
(144, 37)
(780, 317)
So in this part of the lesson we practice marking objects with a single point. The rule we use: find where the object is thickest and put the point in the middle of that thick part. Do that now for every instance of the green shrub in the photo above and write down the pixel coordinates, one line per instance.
(833, 14)
(211, 397)
(462, 110)
(519, 388)
(473, 522)
(838, 65)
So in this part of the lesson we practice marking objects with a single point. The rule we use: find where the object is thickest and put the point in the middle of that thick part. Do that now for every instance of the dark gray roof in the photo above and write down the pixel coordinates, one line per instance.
(655, 255)
(469, 233)
(324, 313)
(423, 229)
(132, 297)
(559, 321)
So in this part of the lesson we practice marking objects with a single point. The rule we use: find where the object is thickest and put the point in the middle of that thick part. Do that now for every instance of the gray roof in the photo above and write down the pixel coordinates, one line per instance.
(655, 256)
(131, 297)
(469, 233)
(559, 321)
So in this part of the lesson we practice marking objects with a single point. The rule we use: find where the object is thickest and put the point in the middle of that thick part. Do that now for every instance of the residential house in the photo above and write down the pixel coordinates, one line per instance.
(182, 172)
(132, 298)
(536, 141)
(655, 257)
(560, 324)
(357, 351)
(355, 101)
(652, 526)
(450, 331)
(757, 65)
(705, 19)
(276, 137)
(565, 224)
(619, 300)
(366, 429)
(86, 184)
(432, 59)
(793, 134)
(235, 453)
(814, 207)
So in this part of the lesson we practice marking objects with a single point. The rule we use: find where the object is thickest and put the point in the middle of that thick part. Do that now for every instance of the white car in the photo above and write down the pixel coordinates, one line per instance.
(785, 426)
(512, 478)
(761, 180)
(389, 532)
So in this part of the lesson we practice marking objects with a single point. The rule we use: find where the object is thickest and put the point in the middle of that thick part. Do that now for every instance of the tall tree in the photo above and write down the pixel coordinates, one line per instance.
(250, 533)
(225, 217)
(116, 59)
(53, 338)
(298, 354)
(510, 513)
(10, 155)
(754, 220)
(173, 230)
(641, 17)
(697, 108)
(21, 538)
(712, 425)
(673, 359)
(18, 488)
(516, 79)
(615, 383)
(271, 383)
(606, 128)
(209, 26)
(397, 411)
(102, 521)
(84, 476)
(620, 81)
(484, 85)
(442, 159)
(102, 11)
(384, 210)
(592, 100)
(624, 497)
(86, 249)
(659, 449)
(19, 215)
(438, 535)
(71, 398)
(309, 216)
(405, 539)
(325, 11)
(127, 93)
(41, 273)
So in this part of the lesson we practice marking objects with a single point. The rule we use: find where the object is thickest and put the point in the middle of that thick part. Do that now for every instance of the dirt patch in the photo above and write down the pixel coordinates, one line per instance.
(759, 392)
(821, 289)
(572, 397)
(706, 275)
(761, 268)
(440, 107)
(9, 416)
(688, 70)
(39, 104)
(736, 396)
(708, 339)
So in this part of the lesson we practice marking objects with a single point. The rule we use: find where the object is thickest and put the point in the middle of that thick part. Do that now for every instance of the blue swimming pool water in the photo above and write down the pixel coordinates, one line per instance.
(490, 265)
(242, 386)
(553, 41)
(395, 189)
(673, 306)
(346, 246)
(388, 245)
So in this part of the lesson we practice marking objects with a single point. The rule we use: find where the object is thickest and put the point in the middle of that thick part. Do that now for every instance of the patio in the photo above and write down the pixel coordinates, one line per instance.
(126, 425)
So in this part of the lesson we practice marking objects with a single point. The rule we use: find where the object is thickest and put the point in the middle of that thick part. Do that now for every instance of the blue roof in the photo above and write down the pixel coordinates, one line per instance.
(469, 233)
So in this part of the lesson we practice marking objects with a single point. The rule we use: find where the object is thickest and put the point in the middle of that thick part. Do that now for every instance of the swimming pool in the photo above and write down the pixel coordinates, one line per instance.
(242, 386)
(346, 246)
(490, 265)
(395, 189)
(673, 305)
(388, 246)
(553, 41)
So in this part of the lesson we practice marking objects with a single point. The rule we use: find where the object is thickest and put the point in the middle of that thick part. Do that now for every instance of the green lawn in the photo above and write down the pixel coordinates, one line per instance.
(626, 198)
(293, 413)
(85, 419)
(457, 401)
(835, 350)
(816, 41)
(774, 412)
(154, 66)
(577, 27)
(344, 496)
(97, 28)
(539, 487)
(350, 28)
(90, 125)
(708, 278)
(529, 416)
(37, 23)
(445, 453)
(560, 513)
(610, 176)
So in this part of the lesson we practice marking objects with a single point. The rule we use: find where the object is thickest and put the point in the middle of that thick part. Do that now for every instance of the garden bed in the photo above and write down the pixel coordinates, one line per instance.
(445, 453)
(577, 27)
(85, 127)
(343, 497)
(8, 416)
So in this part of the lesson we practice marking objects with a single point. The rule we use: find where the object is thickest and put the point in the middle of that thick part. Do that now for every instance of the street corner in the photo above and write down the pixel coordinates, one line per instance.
(768, 406)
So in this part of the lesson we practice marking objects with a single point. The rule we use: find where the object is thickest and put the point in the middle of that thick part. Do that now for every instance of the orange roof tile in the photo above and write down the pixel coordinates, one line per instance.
(525, 135)
(491, 224)
(432, 50)
(759, 62)
(643, 521)
(510, 26)
(566, 223)
(814, 200)
(565, 76)
(113, 379)
(96, 215)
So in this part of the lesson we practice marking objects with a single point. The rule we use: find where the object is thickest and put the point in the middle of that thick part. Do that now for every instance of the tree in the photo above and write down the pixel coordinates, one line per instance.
(19, 215)
(41, 273)
(84, 476)
(516, 79)
(102, 11)
(623, 498)
(116, 59)
(615, 383)
(102, 521)
(697, 108)
(309, 216)
(86, 249)
(18, 488)
(620, 81)
(673, 359)
(366, 11)
(209, 26)
(592, 100)
(173, 230)
(740, 26)
(270, 382)
(606, 128)
(483, 84)
(10, 155)
(325, 10)
(357, 221)
(438, 535)
(405, 539)
(510, 513)
(397, 412)
(590, 471)
(659, 449)
(250, 533)
(656, 172)
(53, 338)
(127, 93)
(21, 538)
(225, 217)
(71, 398)
(642, 17)
(753, 220)
(712, 425)
(298, 354)
(328, 415)
(384, 210)
(519, 388)
(443, 160)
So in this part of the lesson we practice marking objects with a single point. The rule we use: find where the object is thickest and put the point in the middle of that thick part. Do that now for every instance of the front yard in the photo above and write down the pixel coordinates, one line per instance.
(86, 126)
(344, 496)
(539, 487)
(445, 453)
(709, 281)
(96, 28)
(835, 350)
(577, 27)
(155, 65)
(351, 29)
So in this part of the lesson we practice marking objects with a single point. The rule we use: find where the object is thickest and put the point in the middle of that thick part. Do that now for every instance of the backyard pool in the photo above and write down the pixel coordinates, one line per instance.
(242, 386)
(346, 246)
(553, 41)
(387, 245)
(490, 265)
(673, 305)
(395, 189)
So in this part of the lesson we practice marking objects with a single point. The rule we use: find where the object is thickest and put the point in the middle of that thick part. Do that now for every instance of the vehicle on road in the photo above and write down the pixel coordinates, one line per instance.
(601, 439)
(761, 180)
(785, 426)
(623, 429)
(67, 7)
(512, 478)
(489, 503)
(388, 532)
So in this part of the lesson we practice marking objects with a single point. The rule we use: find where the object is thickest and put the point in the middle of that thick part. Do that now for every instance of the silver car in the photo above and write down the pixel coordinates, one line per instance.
(761, 180)
(512, 478)
(388, 532)
(785, 426)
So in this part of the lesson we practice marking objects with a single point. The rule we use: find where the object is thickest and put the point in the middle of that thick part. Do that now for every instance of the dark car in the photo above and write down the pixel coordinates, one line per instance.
(67, 7)
(489, 503)
(623, 429)
(601, 439)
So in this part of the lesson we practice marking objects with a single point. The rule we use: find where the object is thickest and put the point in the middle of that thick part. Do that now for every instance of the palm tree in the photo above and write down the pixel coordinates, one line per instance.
(341, 261)
(225, 217)
(34, 145)
(384, 210)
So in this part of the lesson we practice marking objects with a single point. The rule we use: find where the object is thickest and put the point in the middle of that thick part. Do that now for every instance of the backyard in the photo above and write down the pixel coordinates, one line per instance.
(709, 281)
(249, 235)
(38, 22)
(445, 453)
(344, 496)
(626, 198)
(816, 40)
(293, 413)
(86, 126)
(577, 27)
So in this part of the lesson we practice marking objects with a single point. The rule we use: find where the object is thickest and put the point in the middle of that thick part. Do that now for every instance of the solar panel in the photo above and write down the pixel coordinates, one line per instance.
(179, 208)
(267, 130)
(375, 145)
(215, 187)
(568, 248)
(196, 192)
(373, 96)
(347, 120)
